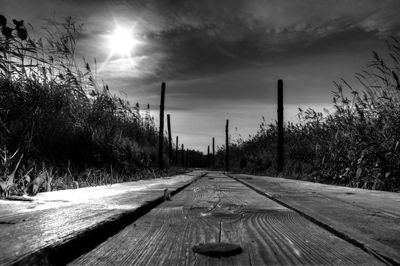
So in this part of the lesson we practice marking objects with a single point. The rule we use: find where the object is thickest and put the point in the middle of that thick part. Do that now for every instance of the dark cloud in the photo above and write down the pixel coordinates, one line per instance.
(191, 38)
(199, 38)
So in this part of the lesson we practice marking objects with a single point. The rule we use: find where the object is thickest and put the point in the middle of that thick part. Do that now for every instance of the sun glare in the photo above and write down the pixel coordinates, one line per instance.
(122, 41)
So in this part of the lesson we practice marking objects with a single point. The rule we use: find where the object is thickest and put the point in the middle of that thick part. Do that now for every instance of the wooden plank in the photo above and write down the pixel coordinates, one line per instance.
(217, 209)
(30, 232)
(371, 218)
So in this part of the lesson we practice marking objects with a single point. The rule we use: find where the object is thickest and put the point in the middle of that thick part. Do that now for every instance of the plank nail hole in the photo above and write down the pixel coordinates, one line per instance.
(217, 249)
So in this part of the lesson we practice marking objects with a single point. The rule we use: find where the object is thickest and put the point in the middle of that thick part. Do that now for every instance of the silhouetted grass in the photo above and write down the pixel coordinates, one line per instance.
(358, 145)
(55, 113)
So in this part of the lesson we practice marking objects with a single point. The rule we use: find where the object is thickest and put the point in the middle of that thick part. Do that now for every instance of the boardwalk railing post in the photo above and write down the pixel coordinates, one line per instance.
(161, 132)
(187, 157)
(176, 152)
(213, 152)
(169, 138)
(227, 145)
(208, 156)
(183, 156)
(280, 126)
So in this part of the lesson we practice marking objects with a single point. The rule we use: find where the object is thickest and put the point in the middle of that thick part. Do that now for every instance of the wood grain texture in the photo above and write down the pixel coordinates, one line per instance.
(57, 218)
(217, 209)
(371, 218)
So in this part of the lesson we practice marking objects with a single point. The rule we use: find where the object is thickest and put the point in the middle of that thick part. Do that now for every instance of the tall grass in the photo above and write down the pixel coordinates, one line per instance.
(358, 145)
(54, 111)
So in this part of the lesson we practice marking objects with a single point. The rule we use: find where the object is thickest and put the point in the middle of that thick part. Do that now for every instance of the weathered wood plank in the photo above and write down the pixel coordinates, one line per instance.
(371, 218)
(219, 209)
(32, 232)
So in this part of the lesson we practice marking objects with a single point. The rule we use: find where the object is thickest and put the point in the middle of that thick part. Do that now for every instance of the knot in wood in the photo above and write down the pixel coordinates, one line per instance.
(218, 249)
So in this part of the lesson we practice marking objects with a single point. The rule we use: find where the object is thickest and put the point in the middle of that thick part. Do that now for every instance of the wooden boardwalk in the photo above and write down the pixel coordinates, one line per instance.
(58, 226)
(275, 221)
(368, 219)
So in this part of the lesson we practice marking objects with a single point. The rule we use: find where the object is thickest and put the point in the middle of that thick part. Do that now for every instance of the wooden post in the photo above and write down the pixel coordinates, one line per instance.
(213, 153)
(280, 126)
(169, 138)
(176, 153)
(161, 132)
(187, 157)
(208, 156)
(183, 156)
(227, 145)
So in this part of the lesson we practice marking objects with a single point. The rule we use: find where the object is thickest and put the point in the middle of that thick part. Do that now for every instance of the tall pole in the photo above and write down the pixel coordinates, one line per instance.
(169, 138)
(213, 153)
(280, 126)
(161, 132)
(183, 156)
(208, 156)
(176, 152)
(227, 145)
(187, 157)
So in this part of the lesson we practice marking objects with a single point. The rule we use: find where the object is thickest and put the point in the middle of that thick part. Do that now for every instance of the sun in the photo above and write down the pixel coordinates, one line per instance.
(122, 41)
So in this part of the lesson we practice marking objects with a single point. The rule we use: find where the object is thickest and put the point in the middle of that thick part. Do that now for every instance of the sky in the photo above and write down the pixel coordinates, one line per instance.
(221, 59)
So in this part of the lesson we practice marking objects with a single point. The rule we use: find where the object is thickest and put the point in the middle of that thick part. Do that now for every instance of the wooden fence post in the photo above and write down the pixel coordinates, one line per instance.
(161, 132)
(208, 156)
(227, 146)
(169, 138)
(176, 152)
(213, 152)
(187, 158)
(280, 126)
(183, 156)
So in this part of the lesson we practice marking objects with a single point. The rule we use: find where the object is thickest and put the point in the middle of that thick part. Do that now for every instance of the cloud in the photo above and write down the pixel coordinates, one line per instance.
(201, 38)
(188, 39)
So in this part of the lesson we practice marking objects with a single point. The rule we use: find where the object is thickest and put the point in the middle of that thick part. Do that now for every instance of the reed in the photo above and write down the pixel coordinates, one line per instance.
(56, 113)
(357, 145)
